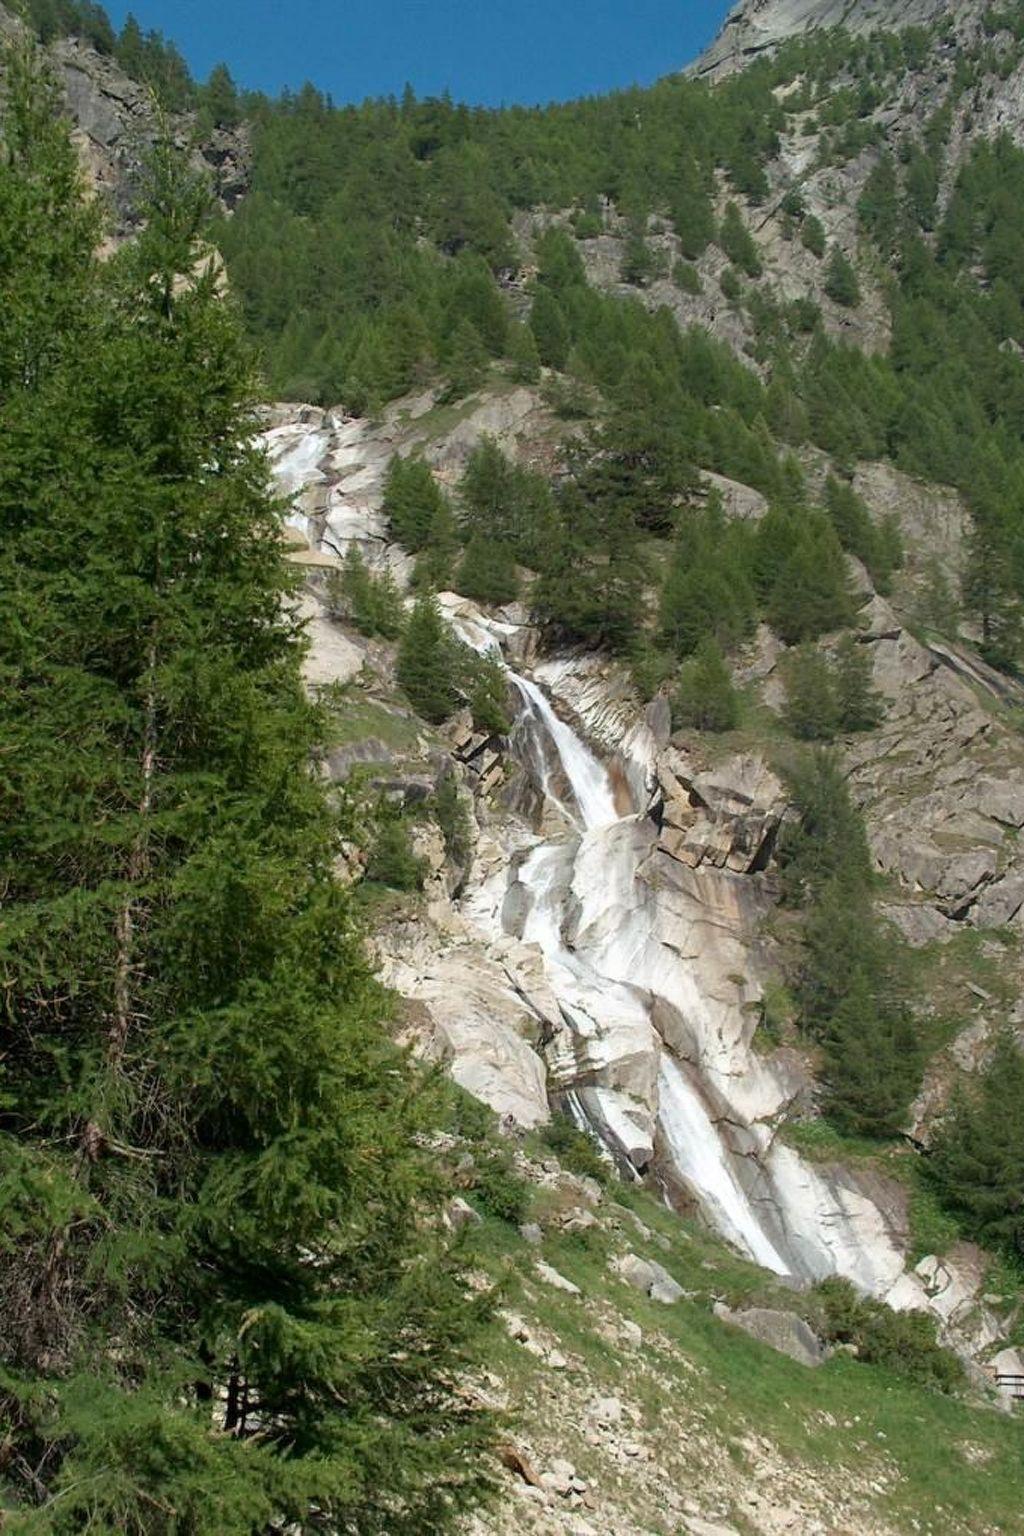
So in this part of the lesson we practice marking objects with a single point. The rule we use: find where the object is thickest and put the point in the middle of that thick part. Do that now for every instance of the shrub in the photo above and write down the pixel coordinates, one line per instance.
(391, 861)
(731, 285)
(574, 1149)
(812, 235)
(903, 1342)
(687, 278)
(453, 819)
(500, 1190)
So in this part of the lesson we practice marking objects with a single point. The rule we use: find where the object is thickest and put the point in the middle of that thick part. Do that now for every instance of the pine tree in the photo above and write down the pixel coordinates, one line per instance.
(849, 986)
(880, 548)
(412, 501)
(977, 1157)
(810, 593)
(738, 243)
(640, 263)
(550, 329)
(220, 98)
(467, 361)
(487, 572)
(524, 356)
(428, 661)
(872, 1060)
(841, 283)
(489, 493)
(858, 706)
(705, 696)
(989, 587)
(812, 710)
(812, 235)
(371, 603)
(435, 562)
(228, 1306)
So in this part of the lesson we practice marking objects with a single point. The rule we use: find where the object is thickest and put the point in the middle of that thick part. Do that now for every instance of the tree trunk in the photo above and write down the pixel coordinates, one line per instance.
(138, 862)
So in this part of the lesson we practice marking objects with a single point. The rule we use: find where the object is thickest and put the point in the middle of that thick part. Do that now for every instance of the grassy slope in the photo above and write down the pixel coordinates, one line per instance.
(722, 1417)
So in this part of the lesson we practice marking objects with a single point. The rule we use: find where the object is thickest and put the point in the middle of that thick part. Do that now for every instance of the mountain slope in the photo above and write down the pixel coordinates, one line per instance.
(754, 27)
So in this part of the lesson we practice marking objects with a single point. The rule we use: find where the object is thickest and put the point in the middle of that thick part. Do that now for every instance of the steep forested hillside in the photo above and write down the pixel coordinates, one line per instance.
(384, 244)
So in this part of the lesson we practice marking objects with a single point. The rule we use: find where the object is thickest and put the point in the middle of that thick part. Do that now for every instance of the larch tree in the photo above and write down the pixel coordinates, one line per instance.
(228, 1306)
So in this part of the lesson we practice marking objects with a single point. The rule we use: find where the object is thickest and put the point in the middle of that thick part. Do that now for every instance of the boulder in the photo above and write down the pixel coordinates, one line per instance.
(459, 1214)
(649, 1276)
(558, 1282)
(782, 1331)
(999, 903)
(636, 1271)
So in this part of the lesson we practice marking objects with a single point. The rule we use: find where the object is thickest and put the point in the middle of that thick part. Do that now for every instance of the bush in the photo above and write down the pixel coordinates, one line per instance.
(731, 285)
(574, 1149)
(812, 236)
(391, 861)
(687, 278)
(586, 226)
(467, 1117)
(453, 819)
(499, 1190)
(902, 1342)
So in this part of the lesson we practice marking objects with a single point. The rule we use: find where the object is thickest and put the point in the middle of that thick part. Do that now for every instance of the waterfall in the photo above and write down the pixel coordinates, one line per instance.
(615, 959)
(701, 1159)
(587, 777)
(592, 982)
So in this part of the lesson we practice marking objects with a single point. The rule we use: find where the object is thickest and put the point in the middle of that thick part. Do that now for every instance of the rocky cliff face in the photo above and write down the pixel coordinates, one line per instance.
(116, 121)
(754, 27)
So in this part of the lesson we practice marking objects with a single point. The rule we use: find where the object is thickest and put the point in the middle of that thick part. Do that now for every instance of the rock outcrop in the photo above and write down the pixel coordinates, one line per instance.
(116, 121)
(755, 27)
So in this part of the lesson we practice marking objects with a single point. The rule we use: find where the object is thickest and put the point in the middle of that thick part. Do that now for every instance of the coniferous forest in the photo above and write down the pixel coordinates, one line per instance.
(242, 1290)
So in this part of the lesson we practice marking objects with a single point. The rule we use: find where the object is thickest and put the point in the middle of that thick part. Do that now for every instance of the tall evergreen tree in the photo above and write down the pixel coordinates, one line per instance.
(487, 571)
(550, 329)
(977, 1158)
(227, 1307)
(841, 283)
(412, 500)
(435, 562)
(428, 661)
(858, 706)
(812, 711)
(705, 696)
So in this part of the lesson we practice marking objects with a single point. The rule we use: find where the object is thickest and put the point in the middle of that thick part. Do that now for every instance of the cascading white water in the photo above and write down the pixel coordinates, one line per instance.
(614, 949)
(587, 777)
(699, 1156)
(600, 1003)
(585, 901)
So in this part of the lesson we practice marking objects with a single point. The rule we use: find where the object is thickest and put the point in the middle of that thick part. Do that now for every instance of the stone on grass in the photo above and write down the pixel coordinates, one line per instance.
(551, 1277)
(782, 1331)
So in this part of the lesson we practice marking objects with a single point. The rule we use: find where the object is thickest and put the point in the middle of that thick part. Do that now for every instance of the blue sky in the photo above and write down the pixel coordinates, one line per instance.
(483, 51)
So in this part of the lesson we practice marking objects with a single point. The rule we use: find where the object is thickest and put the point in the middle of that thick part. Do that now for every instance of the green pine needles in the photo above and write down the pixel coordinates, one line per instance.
(227, 1303)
